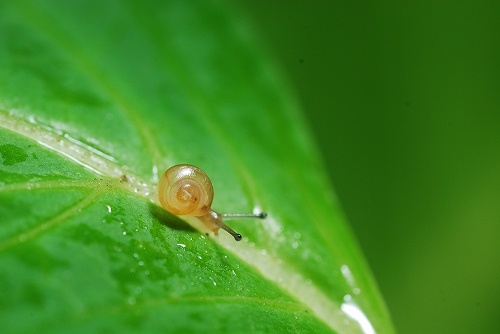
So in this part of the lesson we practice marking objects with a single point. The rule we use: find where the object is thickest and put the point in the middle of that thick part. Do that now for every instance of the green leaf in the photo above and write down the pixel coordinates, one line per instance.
(97, 99)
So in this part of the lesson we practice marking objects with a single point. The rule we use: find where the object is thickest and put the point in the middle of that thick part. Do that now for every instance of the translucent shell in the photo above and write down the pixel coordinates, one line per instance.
(185, 190)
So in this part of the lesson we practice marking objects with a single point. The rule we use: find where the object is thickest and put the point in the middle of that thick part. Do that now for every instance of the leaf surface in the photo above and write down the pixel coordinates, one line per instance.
(93, 107)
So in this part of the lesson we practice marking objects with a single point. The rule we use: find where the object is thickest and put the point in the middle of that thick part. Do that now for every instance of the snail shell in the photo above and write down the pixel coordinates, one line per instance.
(186, 190)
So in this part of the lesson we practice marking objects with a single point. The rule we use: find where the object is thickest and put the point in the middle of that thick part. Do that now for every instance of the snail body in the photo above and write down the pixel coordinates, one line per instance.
(187, 190)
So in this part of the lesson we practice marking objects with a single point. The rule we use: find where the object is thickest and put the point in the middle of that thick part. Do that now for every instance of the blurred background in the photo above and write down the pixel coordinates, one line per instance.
(404, 102)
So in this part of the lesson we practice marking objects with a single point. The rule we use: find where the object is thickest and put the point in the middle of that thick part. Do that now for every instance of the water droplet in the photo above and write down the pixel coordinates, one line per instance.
(346, 272)
(181, 245)
(199, 257)
(347, 298)
(109, 208)
(124, 233)
(263, 252)
(356, 291)
(295, 245)
(141, 263)
(131, 300)
(136, 255)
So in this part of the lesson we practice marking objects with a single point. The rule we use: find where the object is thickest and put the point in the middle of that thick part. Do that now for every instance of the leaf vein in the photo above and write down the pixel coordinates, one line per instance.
(54, 221)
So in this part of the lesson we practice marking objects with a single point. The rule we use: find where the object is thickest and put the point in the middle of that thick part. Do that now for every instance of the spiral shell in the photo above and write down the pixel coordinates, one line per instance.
(185, 190)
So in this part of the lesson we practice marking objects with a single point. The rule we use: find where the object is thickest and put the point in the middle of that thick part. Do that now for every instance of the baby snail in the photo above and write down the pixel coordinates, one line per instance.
(187, 190)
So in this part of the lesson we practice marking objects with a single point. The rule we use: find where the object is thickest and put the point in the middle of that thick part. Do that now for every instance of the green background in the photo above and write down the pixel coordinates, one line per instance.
(404, 102)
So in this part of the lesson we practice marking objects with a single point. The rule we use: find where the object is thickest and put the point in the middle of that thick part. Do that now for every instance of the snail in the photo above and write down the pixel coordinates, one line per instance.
(187, 190)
